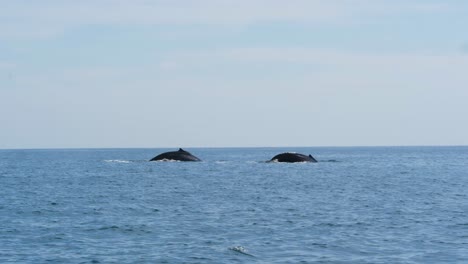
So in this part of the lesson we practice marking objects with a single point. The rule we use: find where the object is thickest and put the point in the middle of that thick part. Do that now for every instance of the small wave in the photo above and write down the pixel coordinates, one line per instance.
(125, 229)
(117, 161)
(241, 250)
(297, 162)
(165, 160)
(113, 227)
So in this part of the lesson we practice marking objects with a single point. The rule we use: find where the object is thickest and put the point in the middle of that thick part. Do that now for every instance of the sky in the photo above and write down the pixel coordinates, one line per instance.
(222, 73)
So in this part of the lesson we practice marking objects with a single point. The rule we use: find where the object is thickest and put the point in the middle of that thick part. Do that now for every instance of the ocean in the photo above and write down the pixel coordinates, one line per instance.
(356, 205)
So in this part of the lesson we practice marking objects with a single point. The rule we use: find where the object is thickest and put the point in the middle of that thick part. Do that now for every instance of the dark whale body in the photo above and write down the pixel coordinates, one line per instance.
(180, 155)
(293, 157)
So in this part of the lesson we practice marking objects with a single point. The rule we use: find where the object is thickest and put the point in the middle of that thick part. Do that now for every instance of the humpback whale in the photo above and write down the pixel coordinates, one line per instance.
(180, 155)
(292, 157)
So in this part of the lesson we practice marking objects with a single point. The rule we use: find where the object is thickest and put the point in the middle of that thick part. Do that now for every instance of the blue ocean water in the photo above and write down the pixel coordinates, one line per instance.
(356, 205)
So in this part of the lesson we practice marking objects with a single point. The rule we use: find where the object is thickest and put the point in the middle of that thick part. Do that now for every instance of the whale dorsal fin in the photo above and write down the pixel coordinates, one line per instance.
(313, 159)
(180, 149)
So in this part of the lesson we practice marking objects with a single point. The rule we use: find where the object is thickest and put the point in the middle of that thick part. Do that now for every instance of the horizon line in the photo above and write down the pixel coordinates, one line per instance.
(225, 147)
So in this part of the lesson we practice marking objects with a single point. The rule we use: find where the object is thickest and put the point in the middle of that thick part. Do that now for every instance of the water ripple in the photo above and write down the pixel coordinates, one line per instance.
(375, 205)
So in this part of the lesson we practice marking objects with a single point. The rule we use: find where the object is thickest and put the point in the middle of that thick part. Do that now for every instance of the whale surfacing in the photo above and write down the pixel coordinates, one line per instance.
(292, 157)
(180, 155)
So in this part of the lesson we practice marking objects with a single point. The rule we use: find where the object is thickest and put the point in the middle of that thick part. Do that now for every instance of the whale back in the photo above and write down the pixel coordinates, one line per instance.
(293, 157)
(180, 155)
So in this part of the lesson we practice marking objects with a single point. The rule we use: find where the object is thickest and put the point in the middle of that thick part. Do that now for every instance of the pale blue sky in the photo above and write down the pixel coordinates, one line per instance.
(216, 73)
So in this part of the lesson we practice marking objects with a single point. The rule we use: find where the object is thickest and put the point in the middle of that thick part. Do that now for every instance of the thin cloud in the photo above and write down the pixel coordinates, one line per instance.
(6, 66)
(464, 48)
(46, 18)
(392, 61)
